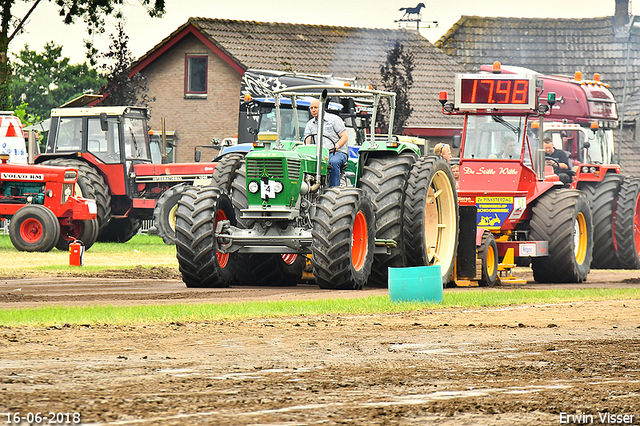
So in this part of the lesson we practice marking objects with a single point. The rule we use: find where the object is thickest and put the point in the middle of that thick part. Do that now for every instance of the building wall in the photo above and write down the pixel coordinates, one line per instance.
(195, 121)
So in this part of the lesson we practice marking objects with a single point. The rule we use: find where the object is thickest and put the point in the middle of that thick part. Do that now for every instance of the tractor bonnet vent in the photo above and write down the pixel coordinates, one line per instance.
(256, 168)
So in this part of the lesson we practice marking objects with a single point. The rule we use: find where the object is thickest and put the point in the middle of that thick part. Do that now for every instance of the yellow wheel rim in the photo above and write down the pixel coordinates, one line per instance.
(440, 221)
(580, 238)
(491, 261)
(172, 217)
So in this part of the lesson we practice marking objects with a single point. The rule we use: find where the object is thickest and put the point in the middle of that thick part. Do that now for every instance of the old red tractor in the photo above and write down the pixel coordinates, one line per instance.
(119, 168)
(42, 209)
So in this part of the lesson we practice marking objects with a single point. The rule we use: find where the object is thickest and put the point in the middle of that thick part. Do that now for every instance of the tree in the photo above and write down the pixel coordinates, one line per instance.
(46, 80)
(93, 13)
(122, 89)
(396, 77)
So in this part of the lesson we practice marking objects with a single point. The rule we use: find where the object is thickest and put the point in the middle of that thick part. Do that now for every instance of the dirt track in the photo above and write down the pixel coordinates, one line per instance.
(523, 365)
(141, 286)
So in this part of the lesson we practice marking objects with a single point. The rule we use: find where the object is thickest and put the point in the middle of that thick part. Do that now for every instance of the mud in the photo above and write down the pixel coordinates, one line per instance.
(520, 365)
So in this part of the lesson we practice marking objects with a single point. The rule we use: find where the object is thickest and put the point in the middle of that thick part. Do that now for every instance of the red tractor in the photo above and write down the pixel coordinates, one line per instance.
(42, 209)
(582, 123)
(511, 203)
(109, 146)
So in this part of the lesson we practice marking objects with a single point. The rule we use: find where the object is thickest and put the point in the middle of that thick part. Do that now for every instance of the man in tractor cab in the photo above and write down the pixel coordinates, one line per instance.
(557, 159)
(509, 149)
(334, 137)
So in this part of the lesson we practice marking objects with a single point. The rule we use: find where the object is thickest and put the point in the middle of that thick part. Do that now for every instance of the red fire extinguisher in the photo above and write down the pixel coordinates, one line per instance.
(76, 253)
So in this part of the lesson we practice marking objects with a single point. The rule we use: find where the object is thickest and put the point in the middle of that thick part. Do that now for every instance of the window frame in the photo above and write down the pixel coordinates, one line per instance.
(187, 76)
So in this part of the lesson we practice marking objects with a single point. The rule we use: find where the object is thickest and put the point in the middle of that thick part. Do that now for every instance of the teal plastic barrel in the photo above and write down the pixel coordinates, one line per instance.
(415, 284)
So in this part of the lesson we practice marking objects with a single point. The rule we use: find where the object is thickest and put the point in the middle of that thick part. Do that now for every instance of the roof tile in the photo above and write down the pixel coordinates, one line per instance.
(342, 51)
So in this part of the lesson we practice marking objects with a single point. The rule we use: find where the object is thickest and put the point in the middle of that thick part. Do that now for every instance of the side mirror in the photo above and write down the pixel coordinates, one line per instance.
(198, 155)
(457, 139)
(324, 100)
(104, 124)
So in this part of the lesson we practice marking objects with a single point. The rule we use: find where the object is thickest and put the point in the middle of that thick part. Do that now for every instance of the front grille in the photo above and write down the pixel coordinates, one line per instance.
(294, 168)
(257, 166)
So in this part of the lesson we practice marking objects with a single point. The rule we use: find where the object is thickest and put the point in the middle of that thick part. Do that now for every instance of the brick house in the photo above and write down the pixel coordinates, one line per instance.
(561, 46)
(195, 72)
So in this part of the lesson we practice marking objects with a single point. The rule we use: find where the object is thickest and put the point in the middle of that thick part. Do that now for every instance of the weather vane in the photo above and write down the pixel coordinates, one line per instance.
(412, 14)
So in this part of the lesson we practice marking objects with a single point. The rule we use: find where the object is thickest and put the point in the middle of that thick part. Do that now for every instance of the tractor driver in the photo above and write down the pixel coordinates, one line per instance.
(508, 148)
(557, 159)
(334, 138)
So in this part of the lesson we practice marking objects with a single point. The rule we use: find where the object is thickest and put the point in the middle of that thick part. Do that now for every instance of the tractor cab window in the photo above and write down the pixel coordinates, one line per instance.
(135, 139)
(489, 137)
(571, 142)
(104, 145)
(288, 128)
(69, 137)
(601, 147)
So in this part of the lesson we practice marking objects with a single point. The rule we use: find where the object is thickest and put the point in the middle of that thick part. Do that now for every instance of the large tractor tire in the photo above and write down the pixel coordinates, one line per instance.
(230, 176)
(82, 230)
(263, 269)
(384, 181)
(164, 214)
(119, 230)
(201, 265)
(343, 239)
(488, 254)
(431, 216)
(90, 185)
(603, 198)
(34, 228)
(628, 224)
(563, 218)
(225, 170)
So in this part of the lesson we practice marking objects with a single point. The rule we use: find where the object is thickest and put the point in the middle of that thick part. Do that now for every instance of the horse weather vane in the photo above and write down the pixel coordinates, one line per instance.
(412, 14)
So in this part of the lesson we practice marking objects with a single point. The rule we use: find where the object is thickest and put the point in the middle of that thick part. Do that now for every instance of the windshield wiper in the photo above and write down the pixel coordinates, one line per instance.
(505, 123)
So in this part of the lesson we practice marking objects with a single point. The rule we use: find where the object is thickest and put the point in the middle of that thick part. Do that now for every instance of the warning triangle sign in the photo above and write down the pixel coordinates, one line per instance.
(11, 131)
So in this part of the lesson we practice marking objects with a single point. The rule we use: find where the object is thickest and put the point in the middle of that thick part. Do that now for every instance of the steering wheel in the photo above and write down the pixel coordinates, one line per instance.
(314, 137)
(555, 160)
(310, 139)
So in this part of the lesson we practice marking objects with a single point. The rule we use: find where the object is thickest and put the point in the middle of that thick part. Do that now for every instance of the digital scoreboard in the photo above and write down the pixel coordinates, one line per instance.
(495, 91)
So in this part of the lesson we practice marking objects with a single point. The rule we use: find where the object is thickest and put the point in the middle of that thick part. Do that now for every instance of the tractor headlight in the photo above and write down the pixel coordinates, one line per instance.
(253, 187)
(585, 169)
(592, 169)
(278, 187)
(70, 175)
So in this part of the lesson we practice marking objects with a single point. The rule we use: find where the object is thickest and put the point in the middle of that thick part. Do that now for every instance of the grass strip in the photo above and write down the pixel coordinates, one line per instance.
(147, 250)
(54, 315)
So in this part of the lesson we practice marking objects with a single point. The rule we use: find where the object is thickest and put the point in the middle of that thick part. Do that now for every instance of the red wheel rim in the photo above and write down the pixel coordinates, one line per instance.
(72, 232)
(359, 243)
(223, 258)
(289, 259)
(31, 230)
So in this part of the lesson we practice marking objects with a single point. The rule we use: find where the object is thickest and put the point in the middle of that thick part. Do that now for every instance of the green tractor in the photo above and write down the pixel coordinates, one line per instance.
(267, 209)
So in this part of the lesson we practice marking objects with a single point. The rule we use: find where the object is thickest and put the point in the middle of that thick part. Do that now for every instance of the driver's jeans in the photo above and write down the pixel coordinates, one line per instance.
(336, 160)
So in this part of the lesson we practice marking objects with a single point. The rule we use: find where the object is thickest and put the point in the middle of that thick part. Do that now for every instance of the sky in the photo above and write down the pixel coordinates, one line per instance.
(144, 32)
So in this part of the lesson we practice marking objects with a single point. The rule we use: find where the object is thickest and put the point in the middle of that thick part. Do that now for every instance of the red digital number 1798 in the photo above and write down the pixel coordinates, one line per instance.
(494, 91)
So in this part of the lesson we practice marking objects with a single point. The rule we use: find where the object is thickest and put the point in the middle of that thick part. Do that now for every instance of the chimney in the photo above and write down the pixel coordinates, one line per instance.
(621, 17)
